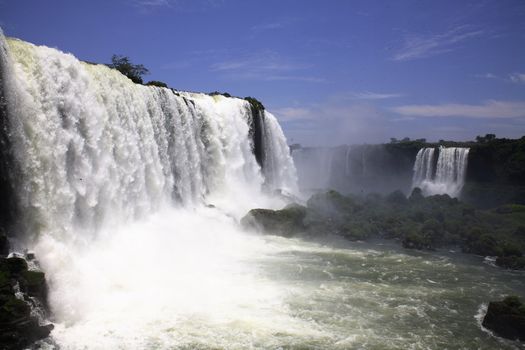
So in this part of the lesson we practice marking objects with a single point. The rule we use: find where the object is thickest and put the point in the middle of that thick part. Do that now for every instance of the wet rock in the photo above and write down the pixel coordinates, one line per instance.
(285, 222)
(506, 318)
(4, 245)
(18, 327)
(511, 262)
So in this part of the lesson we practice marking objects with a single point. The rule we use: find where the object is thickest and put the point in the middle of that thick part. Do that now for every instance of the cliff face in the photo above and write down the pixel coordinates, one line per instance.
(7, 204)
(501, 161)
(495, 171)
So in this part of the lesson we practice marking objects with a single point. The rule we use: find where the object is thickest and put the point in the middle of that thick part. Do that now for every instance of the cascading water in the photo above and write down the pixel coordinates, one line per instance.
(314, 166)
(424, 166)
(445, 176)
(279, 170)
(129, 196)
(94, 153)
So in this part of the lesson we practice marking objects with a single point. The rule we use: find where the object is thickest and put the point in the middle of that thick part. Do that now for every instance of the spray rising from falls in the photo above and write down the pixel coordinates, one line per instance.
(91, 147)
(99, 165)
(446, 175)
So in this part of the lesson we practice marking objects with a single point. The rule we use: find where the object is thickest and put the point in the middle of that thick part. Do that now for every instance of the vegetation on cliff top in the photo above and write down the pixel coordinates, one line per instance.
(124, 65)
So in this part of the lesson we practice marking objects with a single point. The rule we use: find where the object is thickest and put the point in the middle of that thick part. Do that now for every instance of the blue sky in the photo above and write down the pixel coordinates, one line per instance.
(333, 72)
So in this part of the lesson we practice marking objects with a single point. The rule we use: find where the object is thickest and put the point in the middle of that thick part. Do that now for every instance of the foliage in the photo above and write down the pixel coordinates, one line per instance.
(417, 222)
(256, 105)
(225, 94)
(124, 65)
(486, 138)
(157, 83)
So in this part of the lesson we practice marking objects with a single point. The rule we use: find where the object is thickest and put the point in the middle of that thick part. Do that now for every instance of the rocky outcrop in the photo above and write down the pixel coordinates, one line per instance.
(285, 222)
(506, 318)
(417, 222)
(22, 292)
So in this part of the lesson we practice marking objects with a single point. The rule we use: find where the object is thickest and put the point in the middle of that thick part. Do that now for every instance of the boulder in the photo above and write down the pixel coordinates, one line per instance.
(506, 318)
(511, 262)
(18, 327)
(285, 222)
(4, 244)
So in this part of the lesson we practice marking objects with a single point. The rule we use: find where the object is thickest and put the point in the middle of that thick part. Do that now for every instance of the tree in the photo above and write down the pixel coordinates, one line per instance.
(124, 66)
(486, 138)
(157, 83)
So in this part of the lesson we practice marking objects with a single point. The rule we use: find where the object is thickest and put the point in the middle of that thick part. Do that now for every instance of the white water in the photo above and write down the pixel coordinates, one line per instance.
(315, 167)
(112, 183)
(447, 176)
(102, 162)
(279, 168)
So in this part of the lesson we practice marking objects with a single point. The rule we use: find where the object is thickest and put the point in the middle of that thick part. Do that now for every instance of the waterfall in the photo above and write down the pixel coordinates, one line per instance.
(314, 166)
(424, 165)
(347, 160)
(93, 149)
(445, 176)
(278, 167)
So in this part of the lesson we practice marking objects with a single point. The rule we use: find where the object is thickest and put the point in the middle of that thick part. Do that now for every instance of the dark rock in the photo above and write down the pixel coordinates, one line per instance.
(16, 265)
(4, 244)
(18, 328)
(285, 222)
(511, 262)
(506, 318)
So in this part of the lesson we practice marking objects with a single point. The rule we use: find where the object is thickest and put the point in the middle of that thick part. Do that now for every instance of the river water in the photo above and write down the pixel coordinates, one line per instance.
(191, 279)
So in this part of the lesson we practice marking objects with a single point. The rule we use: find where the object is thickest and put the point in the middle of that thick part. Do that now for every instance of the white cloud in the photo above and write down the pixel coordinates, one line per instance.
(179, 5)
(489, 109)
(267, 26)
(517, 77)
(293, 113)
(266, 66)
(368, 95)
(154, 3)
(486, 76)
(415, 47)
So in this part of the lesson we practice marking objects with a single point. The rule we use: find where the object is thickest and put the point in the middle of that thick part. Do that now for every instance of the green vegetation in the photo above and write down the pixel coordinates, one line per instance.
(416, 222)
(225, 94)
(157, 83)
(132, 71)
(255, 104)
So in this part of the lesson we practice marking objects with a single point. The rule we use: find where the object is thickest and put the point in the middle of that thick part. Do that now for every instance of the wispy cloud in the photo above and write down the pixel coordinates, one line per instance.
(274, 25)
(154, 3)
(267, 66)
(179, 5)
(489, 109)
(415, 46)
(486, 76)
(368, 95)
(267, 26)
(293, 113)
(517, 77)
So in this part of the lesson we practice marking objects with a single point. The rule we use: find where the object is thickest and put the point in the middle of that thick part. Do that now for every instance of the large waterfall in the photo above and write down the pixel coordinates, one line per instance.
(93, 149)
(444, 175)
(129, 196)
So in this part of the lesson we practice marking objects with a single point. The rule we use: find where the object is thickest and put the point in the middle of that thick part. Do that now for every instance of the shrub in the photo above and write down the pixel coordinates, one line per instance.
(132, 71)
(157, 83)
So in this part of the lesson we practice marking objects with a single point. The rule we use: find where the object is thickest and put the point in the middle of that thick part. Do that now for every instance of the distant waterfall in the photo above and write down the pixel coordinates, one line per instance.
(91, 147)
(315, 167)
(424, 165)
(278, 167)
(445, 176)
